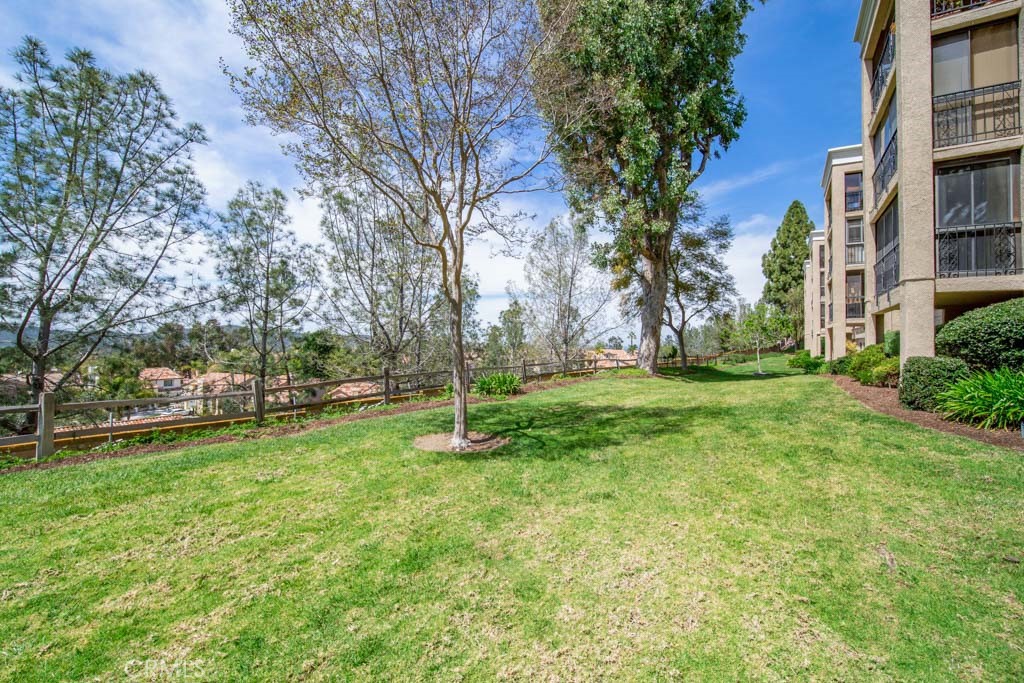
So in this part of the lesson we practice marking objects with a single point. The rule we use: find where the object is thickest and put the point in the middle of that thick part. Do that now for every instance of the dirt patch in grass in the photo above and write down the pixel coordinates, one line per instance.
(886, 400)
(442, 443)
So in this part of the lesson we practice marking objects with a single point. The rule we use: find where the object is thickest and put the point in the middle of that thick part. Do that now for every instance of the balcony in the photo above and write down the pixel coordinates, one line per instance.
(880, 77)
(830, 314)
(943, 7)
(854, 200)
(885, 169)
(854, 254)
(976, 115)
(854, 307)
(887, 270)
(978, 250)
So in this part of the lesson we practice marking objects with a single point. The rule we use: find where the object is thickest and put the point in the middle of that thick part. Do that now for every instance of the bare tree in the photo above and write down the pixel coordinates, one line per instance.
(97, 202)
(380, 288)
(430, 103)
(266, 275)
(699, 282)
(565, 296)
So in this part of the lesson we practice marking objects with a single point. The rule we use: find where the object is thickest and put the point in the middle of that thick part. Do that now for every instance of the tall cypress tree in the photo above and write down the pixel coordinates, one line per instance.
(783, 265)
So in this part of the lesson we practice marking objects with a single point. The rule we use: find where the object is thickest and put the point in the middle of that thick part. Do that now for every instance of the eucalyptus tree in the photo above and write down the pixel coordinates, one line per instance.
(98, 203)
(380, 288)
(699, 282)
(429, 103)
(641, 96)
(266, 276)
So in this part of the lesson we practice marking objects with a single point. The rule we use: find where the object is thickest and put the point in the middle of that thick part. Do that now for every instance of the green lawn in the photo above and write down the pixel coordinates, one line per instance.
(714, 526)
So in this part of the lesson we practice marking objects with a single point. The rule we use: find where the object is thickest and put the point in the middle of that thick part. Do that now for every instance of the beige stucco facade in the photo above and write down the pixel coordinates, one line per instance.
(941, 148)
(815, 328)
(842, 183)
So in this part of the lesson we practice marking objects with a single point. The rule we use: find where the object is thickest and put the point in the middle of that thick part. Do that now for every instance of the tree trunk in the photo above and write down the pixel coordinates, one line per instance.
(682, 348)
(460, 435)
(758, 351)
(655, 286)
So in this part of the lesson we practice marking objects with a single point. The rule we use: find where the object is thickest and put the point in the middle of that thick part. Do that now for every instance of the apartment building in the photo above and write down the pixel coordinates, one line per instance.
(842, 182)
(942, 140)
(815, 306)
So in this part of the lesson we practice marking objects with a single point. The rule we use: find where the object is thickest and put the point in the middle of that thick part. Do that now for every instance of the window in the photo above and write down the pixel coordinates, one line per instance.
(855, 231)
(886, 130)
(854, 194)
(977, 194)
(168, 383)
(821, 254)
(978, 58)
(887, 245)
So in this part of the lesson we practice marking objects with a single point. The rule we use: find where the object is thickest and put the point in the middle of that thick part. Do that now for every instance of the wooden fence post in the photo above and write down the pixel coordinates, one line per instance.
(44, 425)
(258, 398)
(524, 372)
(387, 386)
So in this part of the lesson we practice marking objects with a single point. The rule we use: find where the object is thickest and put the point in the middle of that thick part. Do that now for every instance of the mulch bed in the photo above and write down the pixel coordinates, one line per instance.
(282, 429)
(886, 400)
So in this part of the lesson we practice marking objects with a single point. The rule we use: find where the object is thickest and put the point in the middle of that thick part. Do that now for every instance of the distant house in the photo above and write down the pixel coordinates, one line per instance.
(607, 358)
(163, 381)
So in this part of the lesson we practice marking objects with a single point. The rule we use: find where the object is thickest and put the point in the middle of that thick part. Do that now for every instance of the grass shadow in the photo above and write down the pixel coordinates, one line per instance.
(575, 430)
(705, 374)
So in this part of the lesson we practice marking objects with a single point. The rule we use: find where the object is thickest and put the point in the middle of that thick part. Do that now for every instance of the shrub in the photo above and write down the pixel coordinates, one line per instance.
(806, 362)
(886, 374)
(840, 366)
(891, 344)
(924, 378)
(991, 337)
(989, 399)
(864, 362)
(498, 384)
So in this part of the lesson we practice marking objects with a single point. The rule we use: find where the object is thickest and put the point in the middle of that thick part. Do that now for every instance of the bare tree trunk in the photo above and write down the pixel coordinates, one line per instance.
(681, 336)
(460, 436)
(655, 285)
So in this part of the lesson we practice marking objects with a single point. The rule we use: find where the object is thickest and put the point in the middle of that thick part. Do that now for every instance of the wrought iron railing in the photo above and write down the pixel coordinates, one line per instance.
(941, 7)
(976, 115)
(855, 254)
(887, 270)
(855, 200)
(978, 250)
(885, 168)
(883, 68)
(854, 307)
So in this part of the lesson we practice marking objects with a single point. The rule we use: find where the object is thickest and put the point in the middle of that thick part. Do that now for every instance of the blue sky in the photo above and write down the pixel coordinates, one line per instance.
(798, 74)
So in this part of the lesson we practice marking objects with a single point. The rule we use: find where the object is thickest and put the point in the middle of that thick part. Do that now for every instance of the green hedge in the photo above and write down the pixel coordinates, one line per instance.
(864, 361)
(988, 399)
(885, 374)
(806, 362)
(925, 378)
(891, 344)
(986, 338)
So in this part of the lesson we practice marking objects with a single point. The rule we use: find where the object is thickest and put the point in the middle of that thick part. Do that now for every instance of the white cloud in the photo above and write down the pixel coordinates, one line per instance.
(744, 261)
(757, 223)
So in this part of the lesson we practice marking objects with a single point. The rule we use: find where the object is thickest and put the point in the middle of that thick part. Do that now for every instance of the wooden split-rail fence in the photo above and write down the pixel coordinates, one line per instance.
(260, 401)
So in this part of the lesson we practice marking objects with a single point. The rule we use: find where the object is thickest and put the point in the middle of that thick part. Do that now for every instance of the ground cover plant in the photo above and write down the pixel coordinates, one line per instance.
(712, 525)
(990, 399)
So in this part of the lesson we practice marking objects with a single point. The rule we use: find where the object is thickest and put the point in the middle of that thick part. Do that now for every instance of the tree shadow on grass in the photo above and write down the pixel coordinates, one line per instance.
(574, 430)
(711, 375)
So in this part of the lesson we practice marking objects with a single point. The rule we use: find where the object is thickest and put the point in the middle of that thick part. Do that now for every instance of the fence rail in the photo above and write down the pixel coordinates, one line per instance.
(387, 388)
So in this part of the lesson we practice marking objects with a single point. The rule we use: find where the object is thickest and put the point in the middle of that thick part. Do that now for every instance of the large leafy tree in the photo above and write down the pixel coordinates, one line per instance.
(429, 103)
(98, 201)
(783, 264)
(700, 284)
(641, 95)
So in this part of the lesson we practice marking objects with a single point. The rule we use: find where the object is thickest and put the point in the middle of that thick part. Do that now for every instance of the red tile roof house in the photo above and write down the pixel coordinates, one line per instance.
(163, 381)
(607, 358)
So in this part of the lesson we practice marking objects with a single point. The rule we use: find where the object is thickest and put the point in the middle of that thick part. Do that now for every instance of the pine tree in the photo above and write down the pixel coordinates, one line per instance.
(783, 265)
